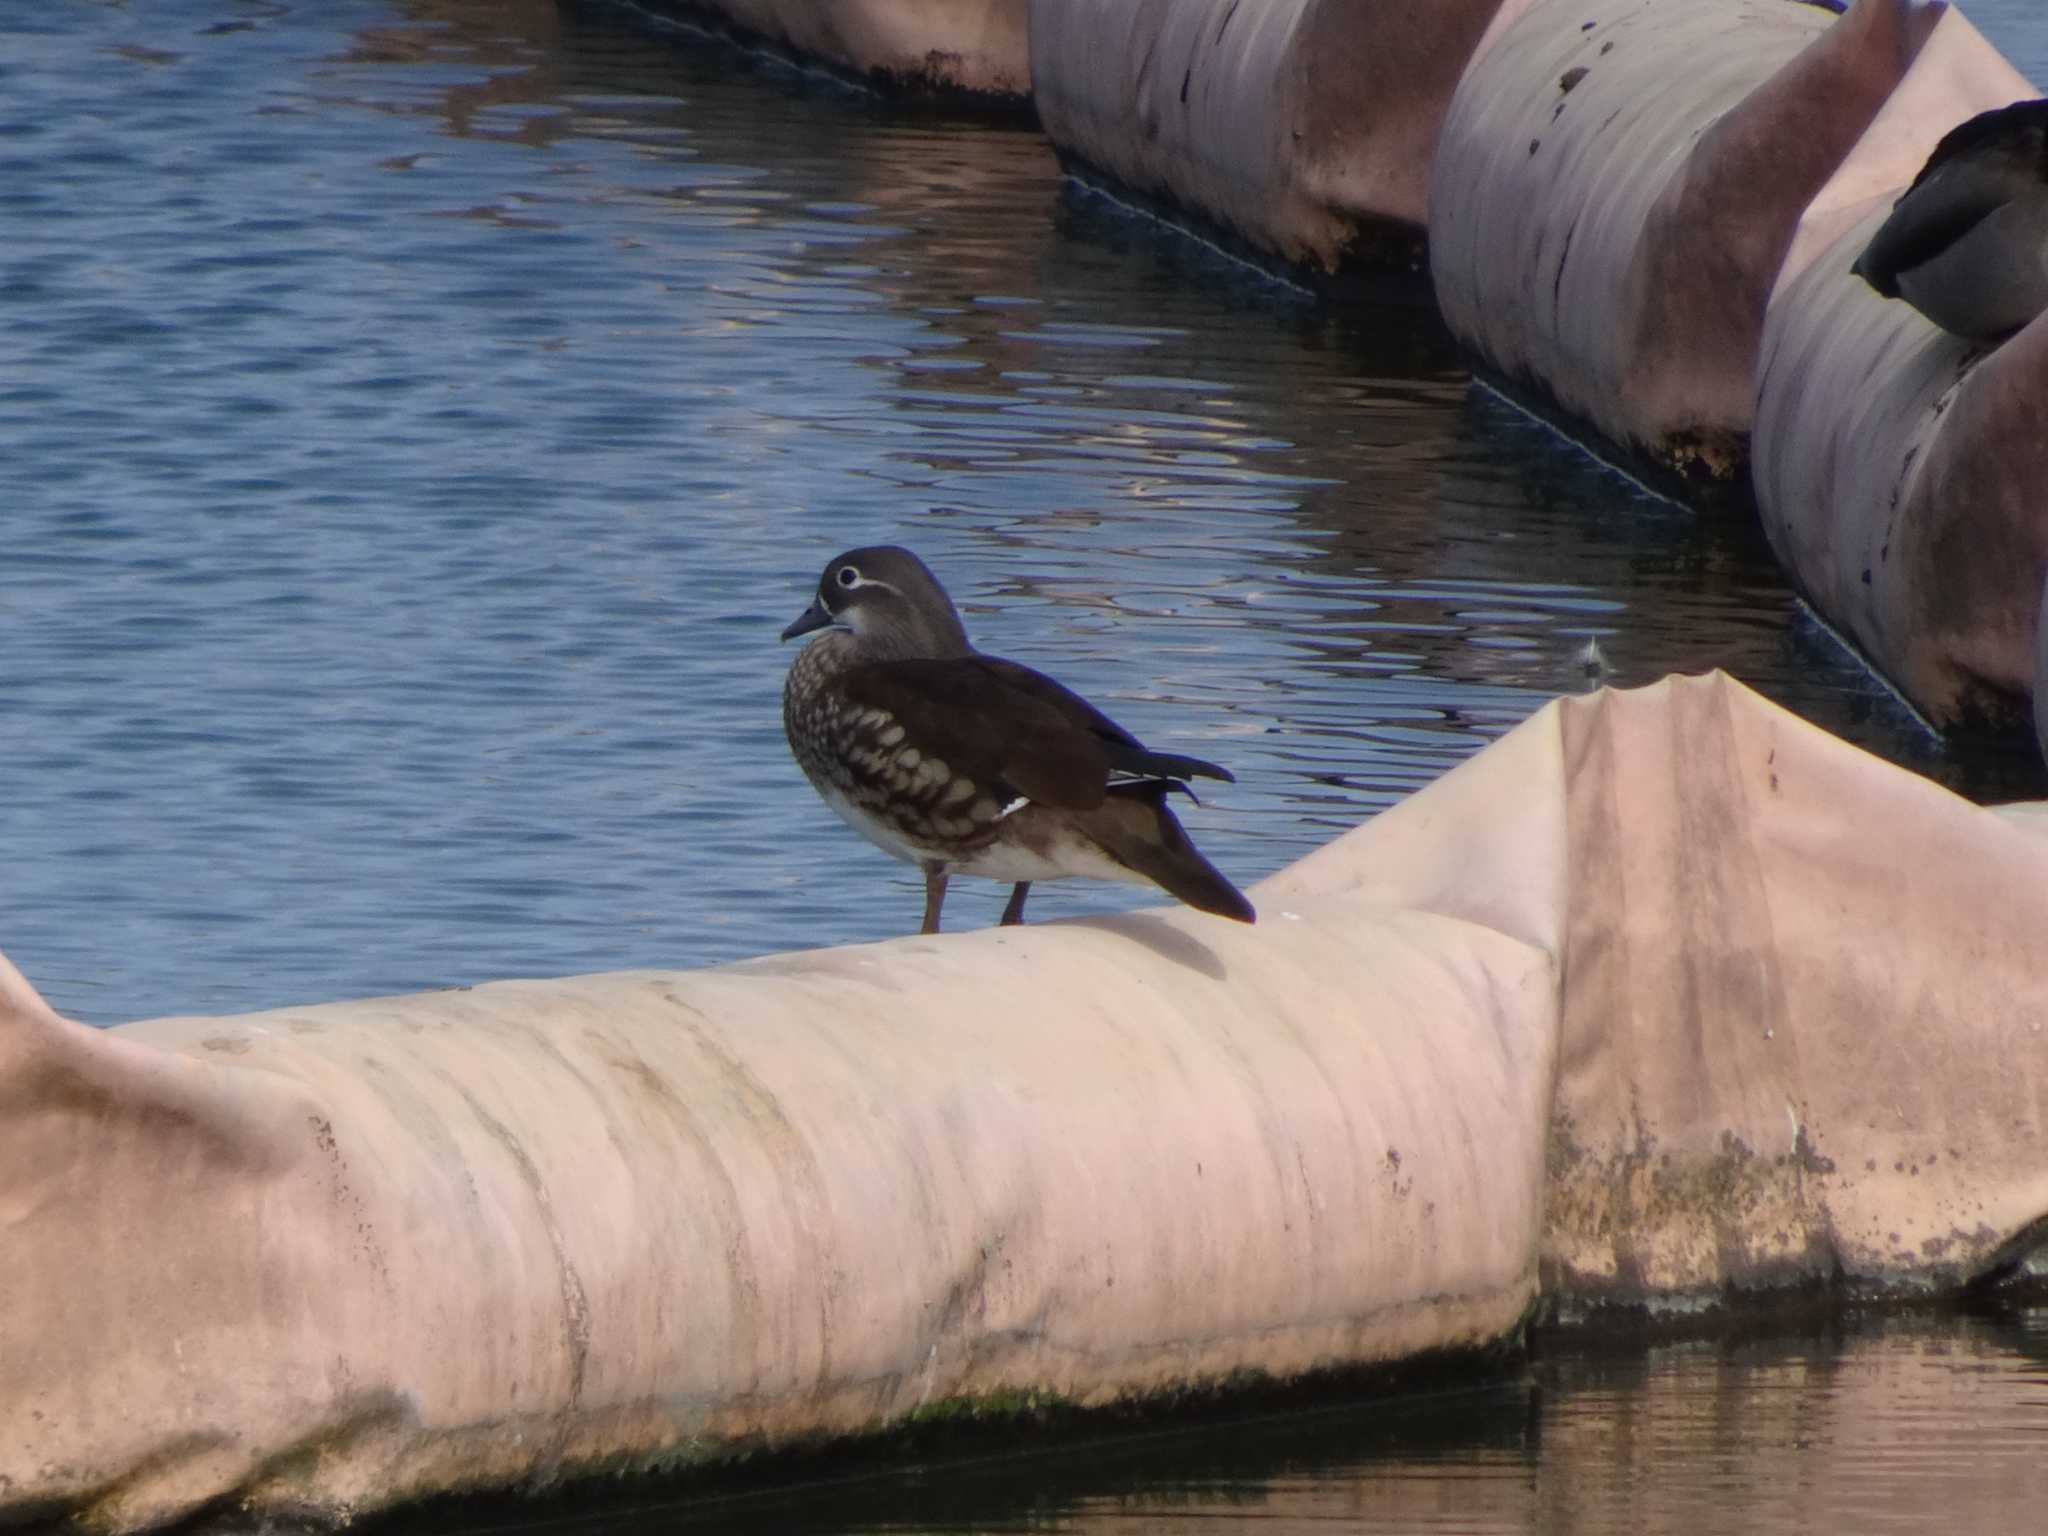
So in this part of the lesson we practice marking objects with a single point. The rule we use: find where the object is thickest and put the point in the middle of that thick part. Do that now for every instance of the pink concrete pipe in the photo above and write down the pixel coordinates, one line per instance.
(1301, 125)
(1898, 469)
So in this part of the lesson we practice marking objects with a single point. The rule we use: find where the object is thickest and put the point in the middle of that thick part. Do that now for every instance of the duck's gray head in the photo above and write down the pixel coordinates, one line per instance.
(890, 601)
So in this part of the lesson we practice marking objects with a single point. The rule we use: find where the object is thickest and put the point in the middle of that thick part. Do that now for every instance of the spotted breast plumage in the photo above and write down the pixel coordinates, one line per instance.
(962, 763)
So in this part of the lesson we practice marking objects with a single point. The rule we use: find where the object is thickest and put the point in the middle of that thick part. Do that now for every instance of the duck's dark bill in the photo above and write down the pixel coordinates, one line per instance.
(813, 617)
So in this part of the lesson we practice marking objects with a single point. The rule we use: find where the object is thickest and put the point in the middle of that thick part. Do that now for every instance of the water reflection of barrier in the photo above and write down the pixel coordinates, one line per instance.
(980, 47)
(1603, 1006)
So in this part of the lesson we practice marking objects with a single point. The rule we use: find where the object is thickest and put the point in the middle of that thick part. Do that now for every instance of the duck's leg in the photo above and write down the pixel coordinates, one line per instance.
(934, 896)
(1013, 914)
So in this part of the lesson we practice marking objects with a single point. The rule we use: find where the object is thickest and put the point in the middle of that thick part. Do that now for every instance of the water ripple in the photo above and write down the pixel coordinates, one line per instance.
(429, 413)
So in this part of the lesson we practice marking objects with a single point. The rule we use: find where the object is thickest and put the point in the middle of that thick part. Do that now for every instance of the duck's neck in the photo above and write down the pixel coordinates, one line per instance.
(897, 642)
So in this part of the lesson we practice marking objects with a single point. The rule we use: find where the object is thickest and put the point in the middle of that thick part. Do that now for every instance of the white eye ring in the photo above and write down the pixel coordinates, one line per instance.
(848, 576)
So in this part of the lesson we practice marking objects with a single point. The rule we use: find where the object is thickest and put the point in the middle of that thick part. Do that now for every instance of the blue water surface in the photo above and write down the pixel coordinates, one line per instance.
(420, 416)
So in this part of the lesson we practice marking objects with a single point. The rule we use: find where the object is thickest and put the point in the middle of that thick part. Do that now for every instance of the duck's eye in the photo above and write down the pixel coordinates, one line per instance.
(848, 576)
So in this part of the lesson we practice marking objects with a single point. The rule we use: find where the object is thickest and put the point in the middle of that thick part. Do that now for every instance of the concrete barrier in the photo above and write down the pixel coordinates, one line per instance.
(327, 1258)
(1805, 1012)
(1663, 993)
(1304, 126)
(1617, 185)
(1898, 469)
(1899, 473)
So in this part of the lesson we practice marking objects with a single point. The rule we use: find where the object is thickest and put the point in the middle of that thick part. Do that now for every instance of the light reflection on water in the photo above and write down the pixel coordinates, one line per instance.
(431, 411)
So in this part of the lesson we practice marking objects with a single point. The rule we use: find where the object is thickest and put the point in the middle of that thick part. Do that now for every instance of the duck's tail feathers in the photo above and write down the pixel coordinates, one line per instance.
(1144, 763)
(1134, 826)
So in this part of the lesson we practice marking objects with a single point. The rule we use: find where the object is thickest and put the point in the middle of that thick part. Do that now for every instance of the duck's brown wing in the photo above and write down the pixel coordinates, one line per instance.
(1127, 755)
(1012, 742)
(1012, 730)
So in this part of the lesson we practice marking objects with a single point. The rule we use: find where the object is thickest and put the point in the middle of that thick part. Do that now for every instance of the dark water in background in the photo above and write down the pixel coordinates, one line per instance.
(419, 418)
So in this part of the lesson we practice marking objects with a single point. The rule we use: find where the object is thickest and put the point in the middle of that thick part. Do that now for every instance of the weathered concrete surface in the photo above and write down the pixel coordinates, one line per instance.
(1298, 124)
(982, 46)
(1899, 472)
(1666, 991)
(1618, 182)
(1898, 469)
(1805, 1012)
